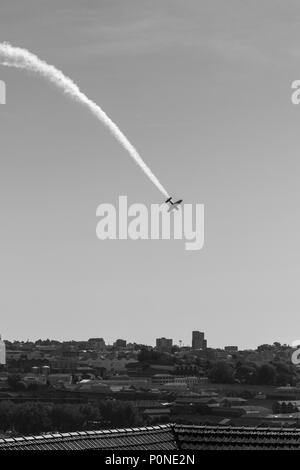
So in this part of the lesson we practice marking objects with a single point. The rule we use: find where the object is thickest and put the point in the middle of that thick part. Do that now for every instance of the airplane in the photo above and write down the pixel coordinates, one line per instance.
(173, 205)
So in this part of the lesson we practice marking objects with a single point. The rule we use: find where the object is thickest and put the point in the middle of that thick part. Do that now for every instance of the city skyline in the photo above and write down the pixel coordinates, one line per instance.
(175, 342)
(203, 89)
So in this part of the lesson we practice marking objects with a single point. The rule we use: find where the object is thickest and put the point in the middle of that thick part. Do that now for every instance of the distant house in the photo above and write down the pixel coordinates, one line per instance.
(252, 410)
(286, 406)
(154, 413)
(92, 386)
(97, 344)
(161, 379)
(233, 401)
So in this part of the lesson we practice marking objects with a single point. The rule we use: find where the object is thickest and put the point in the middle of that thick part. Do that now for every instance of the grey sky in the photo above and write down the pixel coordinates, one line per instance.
(202, 89)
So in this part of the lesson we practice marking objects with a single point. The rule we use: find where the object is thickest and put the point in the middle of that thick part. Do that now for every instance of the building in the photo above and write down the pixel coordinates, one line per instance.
(2, 352)
(164, 344)
(34, 378)
(64, 365)
(113, 365)
(161, 379)
(125, 382)
(198, 341)
(96, 343)
(231, 349)
(59, 380)
(120, 343)
(92, 386)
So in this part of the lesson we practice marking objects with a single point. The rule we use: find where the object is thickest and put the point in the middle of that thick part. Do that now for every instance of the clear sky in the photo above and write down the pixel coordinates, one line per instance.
(202, 88)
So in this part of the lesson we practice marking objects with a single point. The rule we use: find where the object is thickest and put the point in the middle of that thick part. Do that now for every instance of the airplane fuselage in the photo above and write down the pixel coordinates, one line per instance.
(173, 205)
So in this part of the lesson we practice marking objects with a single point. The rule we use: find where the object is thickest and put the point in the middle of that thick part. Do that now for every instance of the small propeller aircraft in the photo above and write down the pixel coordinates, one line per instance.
(173, 205)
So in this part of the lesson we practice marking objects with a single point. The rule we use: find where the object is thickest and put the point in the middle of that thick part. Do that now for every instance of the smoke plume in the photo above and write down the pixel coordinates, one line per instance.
(21, 58)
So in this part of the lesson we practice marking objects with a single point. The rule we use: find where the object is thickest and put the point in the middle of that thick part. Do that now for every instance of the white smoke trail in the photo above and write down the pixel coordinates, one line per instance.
(21, 58)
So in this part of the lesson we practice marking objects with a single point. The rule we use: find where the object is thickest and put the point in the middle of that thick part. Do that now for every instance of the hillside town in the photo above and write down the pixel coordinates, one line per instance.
(48, 385)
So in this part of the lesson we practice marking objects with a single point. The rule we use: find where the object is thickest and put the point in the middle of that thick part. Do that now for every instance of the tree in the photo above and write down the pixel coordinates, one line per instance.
(264, 347)
(266, 375)
(67, 418)
(31, 418)
(155, 357)
(284, 373)
(222, 373)
(245, 373)
(14, 382)
(6, 415)
(90, 412)
(119, 413)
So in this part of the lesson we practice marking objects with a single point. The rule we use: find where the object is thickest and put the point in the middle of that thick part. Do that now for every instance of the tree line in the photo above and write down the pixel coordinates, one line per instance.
(35, 418)
(271, 373)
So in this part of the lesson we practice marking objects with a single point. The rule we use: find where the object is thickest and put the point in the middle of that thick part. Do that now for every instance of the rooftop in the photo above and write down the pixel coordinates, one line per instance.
(163, 437)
